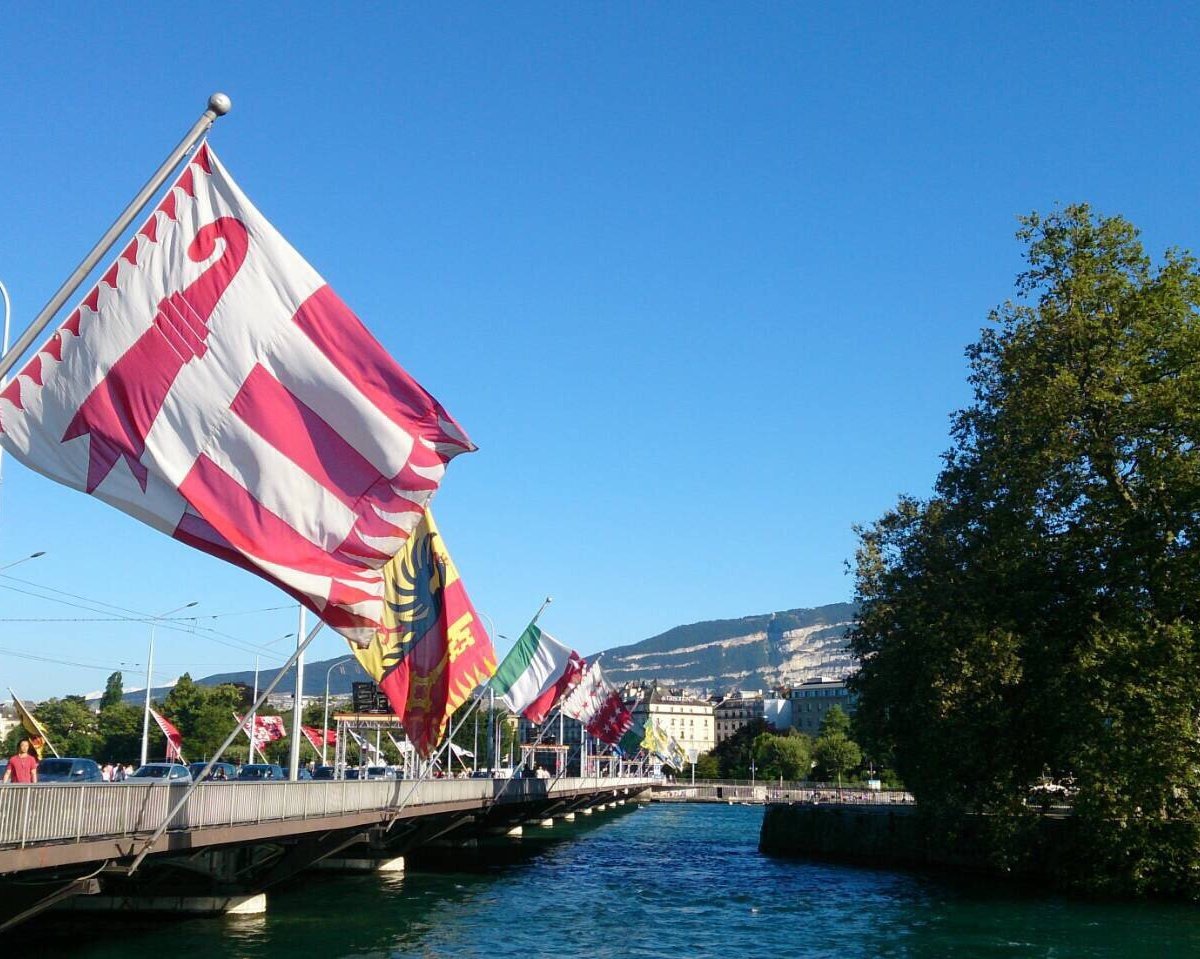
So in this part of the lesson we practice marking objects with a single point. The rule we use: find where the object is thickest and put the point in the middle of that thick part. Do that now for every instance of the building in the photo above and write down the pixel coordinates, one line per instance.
(734, 712)
(689, 720)
(812, 699)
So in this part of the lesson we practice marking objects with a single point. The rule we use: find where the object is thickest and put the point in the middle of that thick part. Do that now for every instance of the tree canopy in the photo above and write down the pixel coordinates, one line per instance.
(1037, 614)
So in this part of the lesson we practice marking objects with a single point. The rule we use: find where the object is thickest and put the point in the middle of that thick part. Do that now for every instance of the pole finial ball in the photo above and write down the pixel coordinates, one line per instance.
(220, 104)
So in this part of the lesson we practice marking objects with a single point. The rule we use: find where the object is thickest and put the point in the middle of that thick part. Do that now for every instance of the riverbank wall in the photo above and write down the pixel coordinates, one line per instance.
(1048, 850)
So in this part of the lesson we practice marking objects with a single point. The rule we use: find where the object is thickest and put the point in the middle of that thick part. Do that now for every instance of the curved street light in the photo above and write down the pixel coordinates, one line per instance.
(23, 559)
(154, 620)
(325, 721)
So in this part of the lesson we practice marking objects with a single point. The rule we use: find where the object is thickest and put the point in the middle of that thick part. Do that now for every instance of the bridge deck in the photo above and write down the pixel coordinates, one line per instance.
(44, 826)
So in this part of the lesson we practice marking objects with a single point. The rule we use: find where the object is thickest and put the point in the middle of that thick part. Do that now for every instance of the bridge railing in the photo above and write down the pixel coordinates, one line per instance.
(74, 812)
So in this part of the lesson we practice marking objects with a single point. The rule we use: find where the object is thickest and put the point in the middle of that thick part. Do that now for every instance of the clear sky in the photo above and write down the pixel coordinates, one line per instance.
(696, 278)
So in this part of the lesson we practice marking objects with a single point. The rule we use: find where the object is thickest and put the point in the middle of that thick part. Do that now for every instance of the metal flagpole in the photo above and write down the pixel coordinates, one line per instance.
(218, 105)
(297, 700)
(262, 698)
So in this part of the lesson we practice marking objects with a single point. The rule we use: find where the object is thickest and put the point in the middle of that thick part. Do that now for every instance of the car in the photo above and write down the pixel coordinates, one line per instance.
(261, 771)
(305, 773)
(378, 772)
(161, 773)
(67, 769)
(221, 772)
(352, 772)
(324, 772)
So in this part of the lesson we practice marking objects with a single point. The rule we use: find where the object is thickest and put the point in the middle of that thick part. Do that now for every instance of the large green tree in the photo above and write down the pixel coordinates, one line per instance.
(1038, 613)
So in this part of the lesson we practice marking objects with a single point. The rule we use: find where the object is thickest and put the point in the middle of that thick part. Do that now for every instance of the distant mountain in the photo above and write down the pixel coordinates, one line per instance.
(754, 652)
(314, 677)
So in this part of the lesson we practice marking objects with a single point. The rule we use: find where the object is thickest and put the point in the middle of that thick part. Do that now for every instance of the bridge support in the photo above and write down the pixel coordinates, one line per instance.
(247, 905)
(361, 864)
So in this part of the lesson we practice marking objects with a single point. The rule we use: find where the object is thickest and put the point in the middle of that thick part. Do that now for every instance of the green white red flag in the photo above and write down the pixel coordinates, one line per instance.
(537, 672)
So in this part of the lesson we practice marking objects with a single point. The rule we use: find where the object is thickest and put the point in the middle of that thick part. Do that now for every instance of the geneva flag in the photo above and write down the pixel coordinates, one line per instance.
(432, 650)
(212, 385)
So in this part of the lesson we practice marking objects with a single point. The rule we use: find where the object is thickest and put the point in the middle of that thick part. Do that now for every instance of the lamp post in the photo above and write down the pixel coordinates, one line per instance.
(149, 673)
(253, 713)
(23, 559)
(325, 722)
(493, 732)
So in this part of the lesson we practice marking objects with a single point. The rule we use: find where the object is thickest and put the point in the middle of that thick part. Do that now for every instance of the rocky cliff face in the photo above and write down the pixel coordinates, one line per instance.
(754, 652)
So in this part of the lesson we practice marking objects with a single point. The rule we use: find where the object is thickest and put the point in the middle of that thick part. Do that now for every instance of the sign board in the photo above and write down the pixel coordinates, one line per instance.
(368, 699)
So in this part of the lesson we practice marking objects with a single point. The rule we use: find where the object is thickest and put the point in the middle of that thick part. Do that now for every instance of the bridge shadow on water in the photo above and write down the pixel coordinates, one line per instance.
(326, 914)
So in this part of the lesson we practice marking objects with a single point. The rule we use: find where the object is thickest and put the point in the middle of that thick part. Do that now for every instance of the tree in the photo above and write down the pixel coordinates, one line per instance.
(707, 766)
(781, 756)
(835, 721)
(1038, 612)
(836, 755)
(113, 691)
(120, 728)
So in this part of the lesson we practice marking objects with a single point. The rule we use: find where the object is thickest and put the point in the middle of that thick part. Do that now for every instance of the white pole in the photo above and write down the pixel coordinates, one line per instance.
(149, 680)
(297, 703)
(253, 714)
(218, 105)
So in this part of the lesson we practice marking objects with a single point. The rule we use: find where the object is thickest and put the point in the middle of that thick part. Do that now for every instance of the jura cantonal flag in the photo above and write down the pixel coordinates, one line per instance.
(432, 650)
(537, 672)
(215, 387)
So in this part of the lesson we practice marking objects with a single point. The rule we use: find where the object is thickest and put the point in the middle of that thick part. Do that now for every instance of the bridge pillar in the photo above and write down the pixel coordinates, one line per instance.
(546, 823)
(586, 812)
(569, 817)
(241, 905)
(515, 831)
(360, 864)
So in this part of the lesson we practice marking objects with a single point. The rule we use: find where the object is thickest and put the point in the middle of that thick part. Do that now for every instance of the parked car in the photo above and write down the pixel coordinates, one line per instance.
(65, 769)
(379, 772)
(221, 772)
(261, 771)
(305, 773)
(162, 773)
(352, 772)
(324, 772)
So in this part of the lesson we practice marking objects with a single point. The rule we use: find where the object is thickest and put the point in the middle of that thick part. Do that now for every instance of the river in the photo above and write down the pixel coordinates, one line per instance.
(657, 881)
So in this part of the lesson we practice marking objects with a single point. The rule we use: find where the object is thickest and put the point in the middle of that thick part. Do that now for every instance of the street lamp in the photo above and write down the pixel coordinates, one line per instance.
(23, 559)
(149, 673)
(325, 722)
(254, 713)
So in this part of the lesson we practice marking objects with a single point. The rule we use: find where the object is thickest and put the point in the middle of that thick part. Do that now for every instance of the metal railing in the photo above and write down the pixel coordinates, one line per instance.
(763, 793)
(69, 812)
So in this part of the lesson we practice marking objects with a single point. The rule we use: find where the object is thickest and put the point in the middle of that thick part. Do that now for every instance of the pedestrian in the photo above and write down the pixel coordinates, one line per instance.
(22, 768)
(106, 772)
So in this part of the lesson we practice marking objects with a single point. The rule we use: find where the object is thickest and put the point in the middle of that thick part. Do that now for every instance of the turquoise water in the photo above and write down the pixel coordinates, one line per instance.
(658, 881)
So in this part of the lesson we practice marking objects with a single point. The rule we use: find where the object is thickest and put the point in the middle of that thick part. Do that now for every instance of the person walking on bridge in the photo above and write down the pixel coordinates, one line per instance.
(22, 768)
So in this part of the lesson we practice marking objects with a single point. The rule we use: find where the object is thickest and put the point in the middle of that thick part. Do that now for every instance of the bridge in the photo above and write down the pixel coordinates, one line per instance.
(74, 845)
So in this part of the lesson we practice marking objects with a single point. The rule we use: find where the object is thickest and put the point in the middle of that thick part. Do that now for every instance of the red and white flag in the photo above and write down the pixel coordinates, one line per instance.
(215, 387)
(315, 737)
(174, 739)
(598, 705)
(267, 729)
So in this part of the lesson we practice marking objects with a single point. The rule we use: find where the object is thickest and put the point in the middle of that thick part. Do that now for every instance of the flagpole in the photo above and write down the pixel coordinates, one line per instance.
(297, 700)
(22, 708)
(237, 730)
(218, 105)
(546, 602)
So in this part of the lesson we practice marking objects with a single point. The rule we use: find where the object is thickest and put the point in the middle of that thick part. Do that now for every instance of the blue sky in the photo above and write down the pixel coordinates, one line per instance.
(696, 278)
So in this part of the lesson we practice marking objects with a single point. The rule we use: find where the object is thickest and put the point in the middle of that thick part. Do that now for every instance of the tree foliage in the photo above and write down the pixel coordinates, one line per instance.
(1038, 613)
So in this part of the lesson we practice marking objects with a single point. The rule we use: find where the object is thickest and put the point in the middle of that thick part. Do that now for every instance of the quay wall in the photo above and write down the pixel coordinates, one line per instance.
(1051, 850)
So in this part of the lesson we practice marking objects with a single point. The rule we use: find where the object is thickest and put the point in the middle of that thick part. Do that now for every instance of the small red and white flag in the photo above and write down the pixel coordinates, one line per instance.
(596, 703)
(315, 737)
(267, 729)
(174, 739)
(215, 387)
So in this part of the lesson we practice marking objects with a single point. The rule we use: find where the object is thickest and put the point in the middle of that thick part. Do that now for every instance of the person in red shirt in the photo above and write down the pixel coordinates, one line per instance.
(22, 768)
